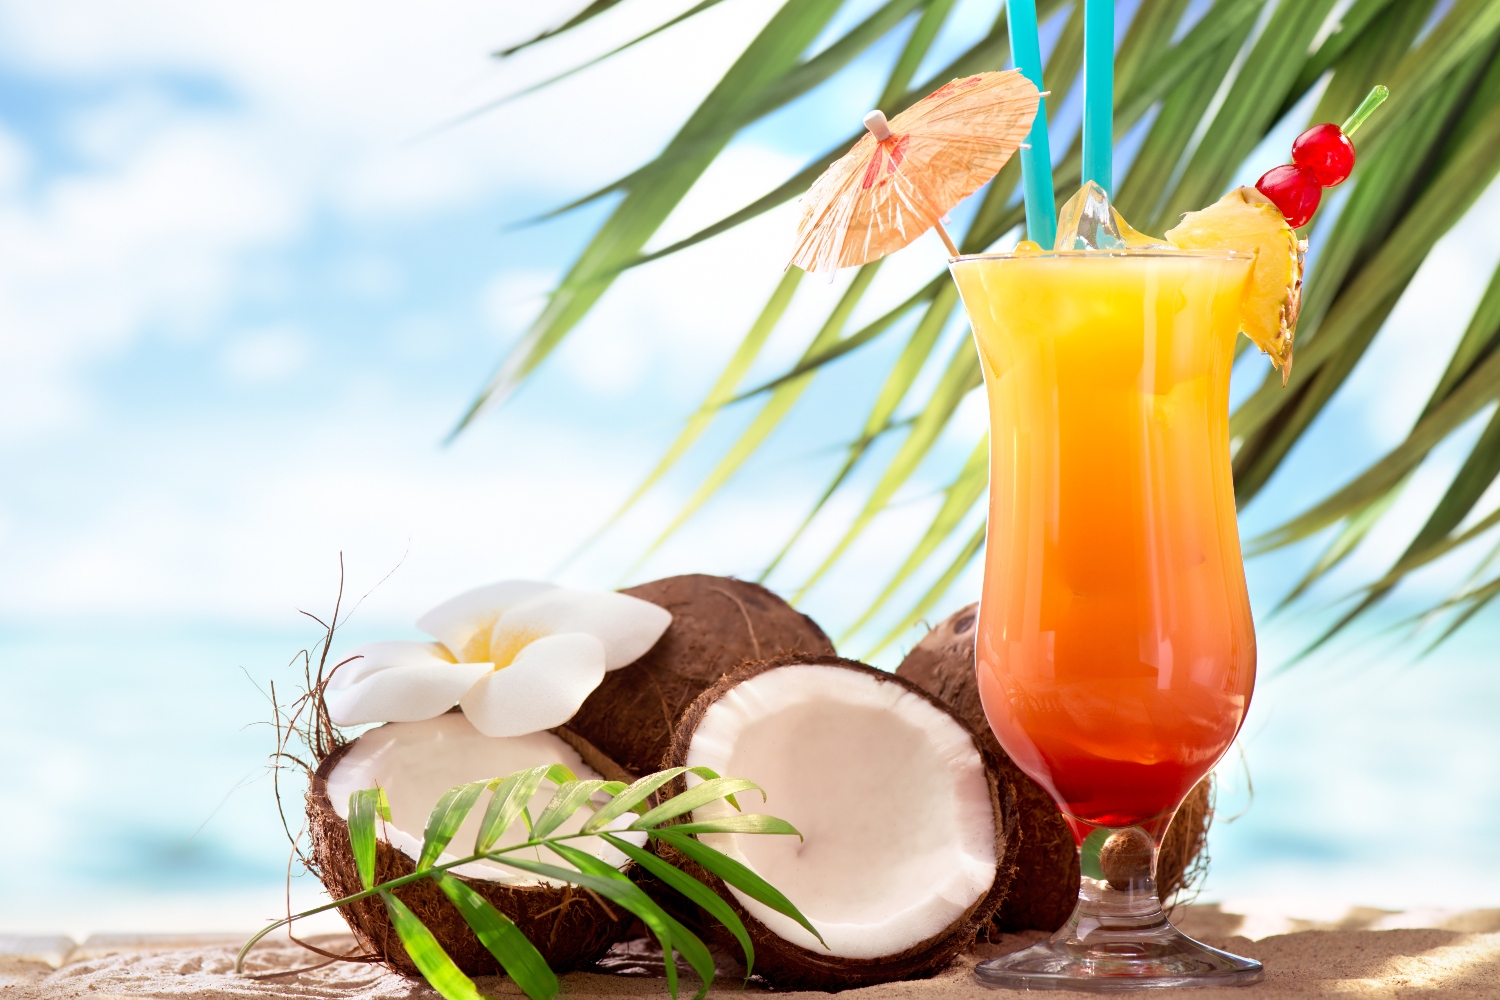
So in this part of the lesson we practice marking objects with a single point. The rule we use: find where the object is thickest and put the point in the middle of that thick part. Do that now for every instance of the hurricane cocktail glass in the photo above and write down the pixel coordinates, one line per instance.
(1116, 651)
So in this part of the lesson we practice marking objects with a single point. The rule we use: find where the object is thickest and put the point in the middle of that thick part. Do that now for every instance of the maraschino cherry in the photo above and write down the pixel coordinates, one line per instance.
(1325, 150)
(1294, 189)
(1322, 157)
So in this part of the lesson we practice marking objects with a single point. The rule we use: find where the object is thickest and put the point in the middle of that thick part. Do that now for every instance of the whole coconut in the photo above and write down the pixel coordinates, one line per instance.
(1046, 885)
(717, 624)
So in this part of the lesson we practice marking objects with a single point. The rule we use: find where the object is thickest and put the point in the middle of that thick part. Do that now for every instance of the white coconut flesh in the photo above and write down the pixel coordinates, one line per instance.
(888, 791)
(416, 762)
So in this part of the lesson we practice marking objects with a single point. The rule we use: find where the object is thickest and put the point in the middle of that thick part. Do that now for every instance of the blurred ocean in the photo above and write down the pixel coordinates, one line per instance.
(133, 780)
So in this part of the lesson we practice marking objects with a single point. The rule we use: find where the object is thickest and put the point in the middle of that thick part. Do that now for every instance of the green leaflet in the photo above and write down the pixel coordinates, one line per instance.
(958, 499)
(913, 358)
(1416, 560)
(594, 9)
(667, 931)
(696, 797)
(364, 806)
(988, 53)
(509, 801)
(639, 791)
(430, 958)
(1351, 27)
(503, 939)
(1478, 390)
(692, 11)
(1467, 30)
(1146, 185)
(961, 377)
(733, 873)
(939, 587)
(688, 944)
(773, 52)
(934, 13)
(721, 393)
(567, 800)
(695, 891)
(855, 340)
(773, 411)
(742, 823)
(1350, 535)
(446, 817)
(1249, 109)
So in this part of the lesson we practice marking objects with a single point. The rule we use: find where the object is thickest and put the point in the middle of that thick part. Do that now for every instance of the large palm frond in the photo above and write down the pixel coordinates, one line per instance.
(1196, 97)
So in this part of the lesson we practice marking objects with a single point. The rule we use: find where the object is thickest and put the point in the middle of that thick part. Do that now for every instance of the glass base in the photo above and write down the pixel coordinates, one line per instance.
(1117, 940)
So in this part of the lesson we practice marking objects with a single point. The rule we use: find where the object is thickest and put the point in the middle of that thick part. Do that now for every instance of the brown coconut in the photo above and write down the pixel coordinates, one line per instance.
(1046, 885)
(788, 966)
(572, 928)
(717, 623)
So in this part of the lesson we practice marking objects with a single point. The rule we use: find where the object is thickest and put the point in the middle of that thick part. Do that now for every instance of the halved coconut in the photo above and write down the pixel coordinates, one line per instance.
(909, 834)
(1046, 886)
(415, 762)
(717, 624)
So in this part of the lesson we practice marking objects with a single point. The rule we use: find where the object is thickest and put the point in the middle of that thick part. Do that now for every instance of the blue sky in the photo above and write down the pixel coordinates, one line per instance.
(242, 302)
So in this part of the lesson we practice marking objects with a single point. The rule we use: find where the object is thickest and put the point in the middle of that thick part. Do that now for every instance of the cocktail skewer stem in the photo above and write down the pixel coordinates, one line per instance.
(1373, 100)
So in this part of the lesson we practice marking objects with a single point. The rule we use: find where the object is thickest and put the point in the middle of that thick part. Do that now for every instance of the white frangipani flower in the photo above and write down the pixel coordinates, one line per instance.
(518, 657)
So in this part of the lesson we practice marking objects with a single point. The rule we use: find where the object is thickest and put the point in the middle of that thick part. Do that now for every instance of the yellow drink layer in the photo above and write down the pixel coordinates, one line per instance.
(1116, 652)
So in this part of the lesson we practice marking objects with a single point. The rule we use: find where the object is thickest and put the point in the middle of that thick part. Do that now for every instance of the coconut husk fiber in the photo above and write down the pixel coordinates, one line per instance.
(789, 966)
(1046, 885)
(571, 927)
(717, 623)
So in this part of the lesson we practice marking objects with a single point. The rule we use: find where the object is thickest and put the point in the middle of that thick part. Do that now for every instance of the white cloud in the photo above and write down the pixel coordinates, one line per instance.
(293, 111)
(101, 256)
(263, 356)
(14, 161)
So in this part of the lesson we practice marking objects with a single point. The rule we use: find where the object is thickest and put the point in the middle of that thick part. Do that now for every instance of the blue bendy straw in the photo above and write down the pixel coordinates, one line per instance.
(1036, 161)
(1099, 92)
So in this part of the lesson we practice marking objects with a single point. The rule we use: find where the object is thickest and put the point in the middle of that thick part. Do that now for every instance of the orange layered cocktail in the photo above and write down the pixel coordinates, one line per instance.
(1116, 652)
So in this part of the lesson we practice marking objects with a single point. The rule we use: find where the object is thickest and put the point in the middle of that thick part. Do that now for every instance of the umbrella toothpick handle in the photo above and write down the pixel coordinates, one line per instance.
(947, 240)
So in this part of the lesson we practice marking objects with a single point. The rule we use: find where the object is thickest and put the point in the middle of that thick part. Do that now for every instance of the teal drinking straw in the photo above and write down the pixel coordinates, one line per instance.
(1036, 161)
(1099, 92)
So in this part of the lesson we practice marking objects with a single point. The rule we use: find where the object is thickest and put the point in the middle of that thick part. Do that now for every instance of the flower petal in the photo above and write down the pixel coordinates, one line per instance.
(458, 621)
(362, 661)
(407, 692)
(542, 687)
(626, 626)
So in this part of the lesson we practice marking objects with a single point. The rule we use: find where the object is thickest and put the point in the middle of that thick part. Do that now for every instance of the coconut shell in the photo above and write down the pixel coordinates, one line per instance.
(789, 966)
(570, 927)
(1046, 886)
(717, 623)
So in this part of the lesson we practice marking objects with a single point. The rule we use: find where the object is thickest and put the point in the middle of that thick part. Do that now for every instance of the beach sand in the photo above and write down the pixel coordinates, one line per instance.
(1457, 955)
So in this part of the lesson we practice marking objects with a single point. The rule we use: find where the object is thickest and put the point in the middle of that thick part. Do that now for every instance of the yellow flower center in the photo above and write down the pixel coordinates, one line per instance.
(505, 646)
(477, 649)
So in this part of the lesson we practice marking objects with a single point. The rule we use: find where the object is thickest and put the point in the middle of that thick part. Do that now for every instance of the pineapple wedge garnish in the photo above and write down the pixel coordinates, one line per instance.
(1247, 221)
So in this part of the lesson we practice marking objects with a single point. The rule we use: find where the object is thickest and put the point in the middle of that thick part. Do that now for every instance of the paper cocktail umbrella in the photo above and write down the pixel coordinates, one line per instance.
(902, 177)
